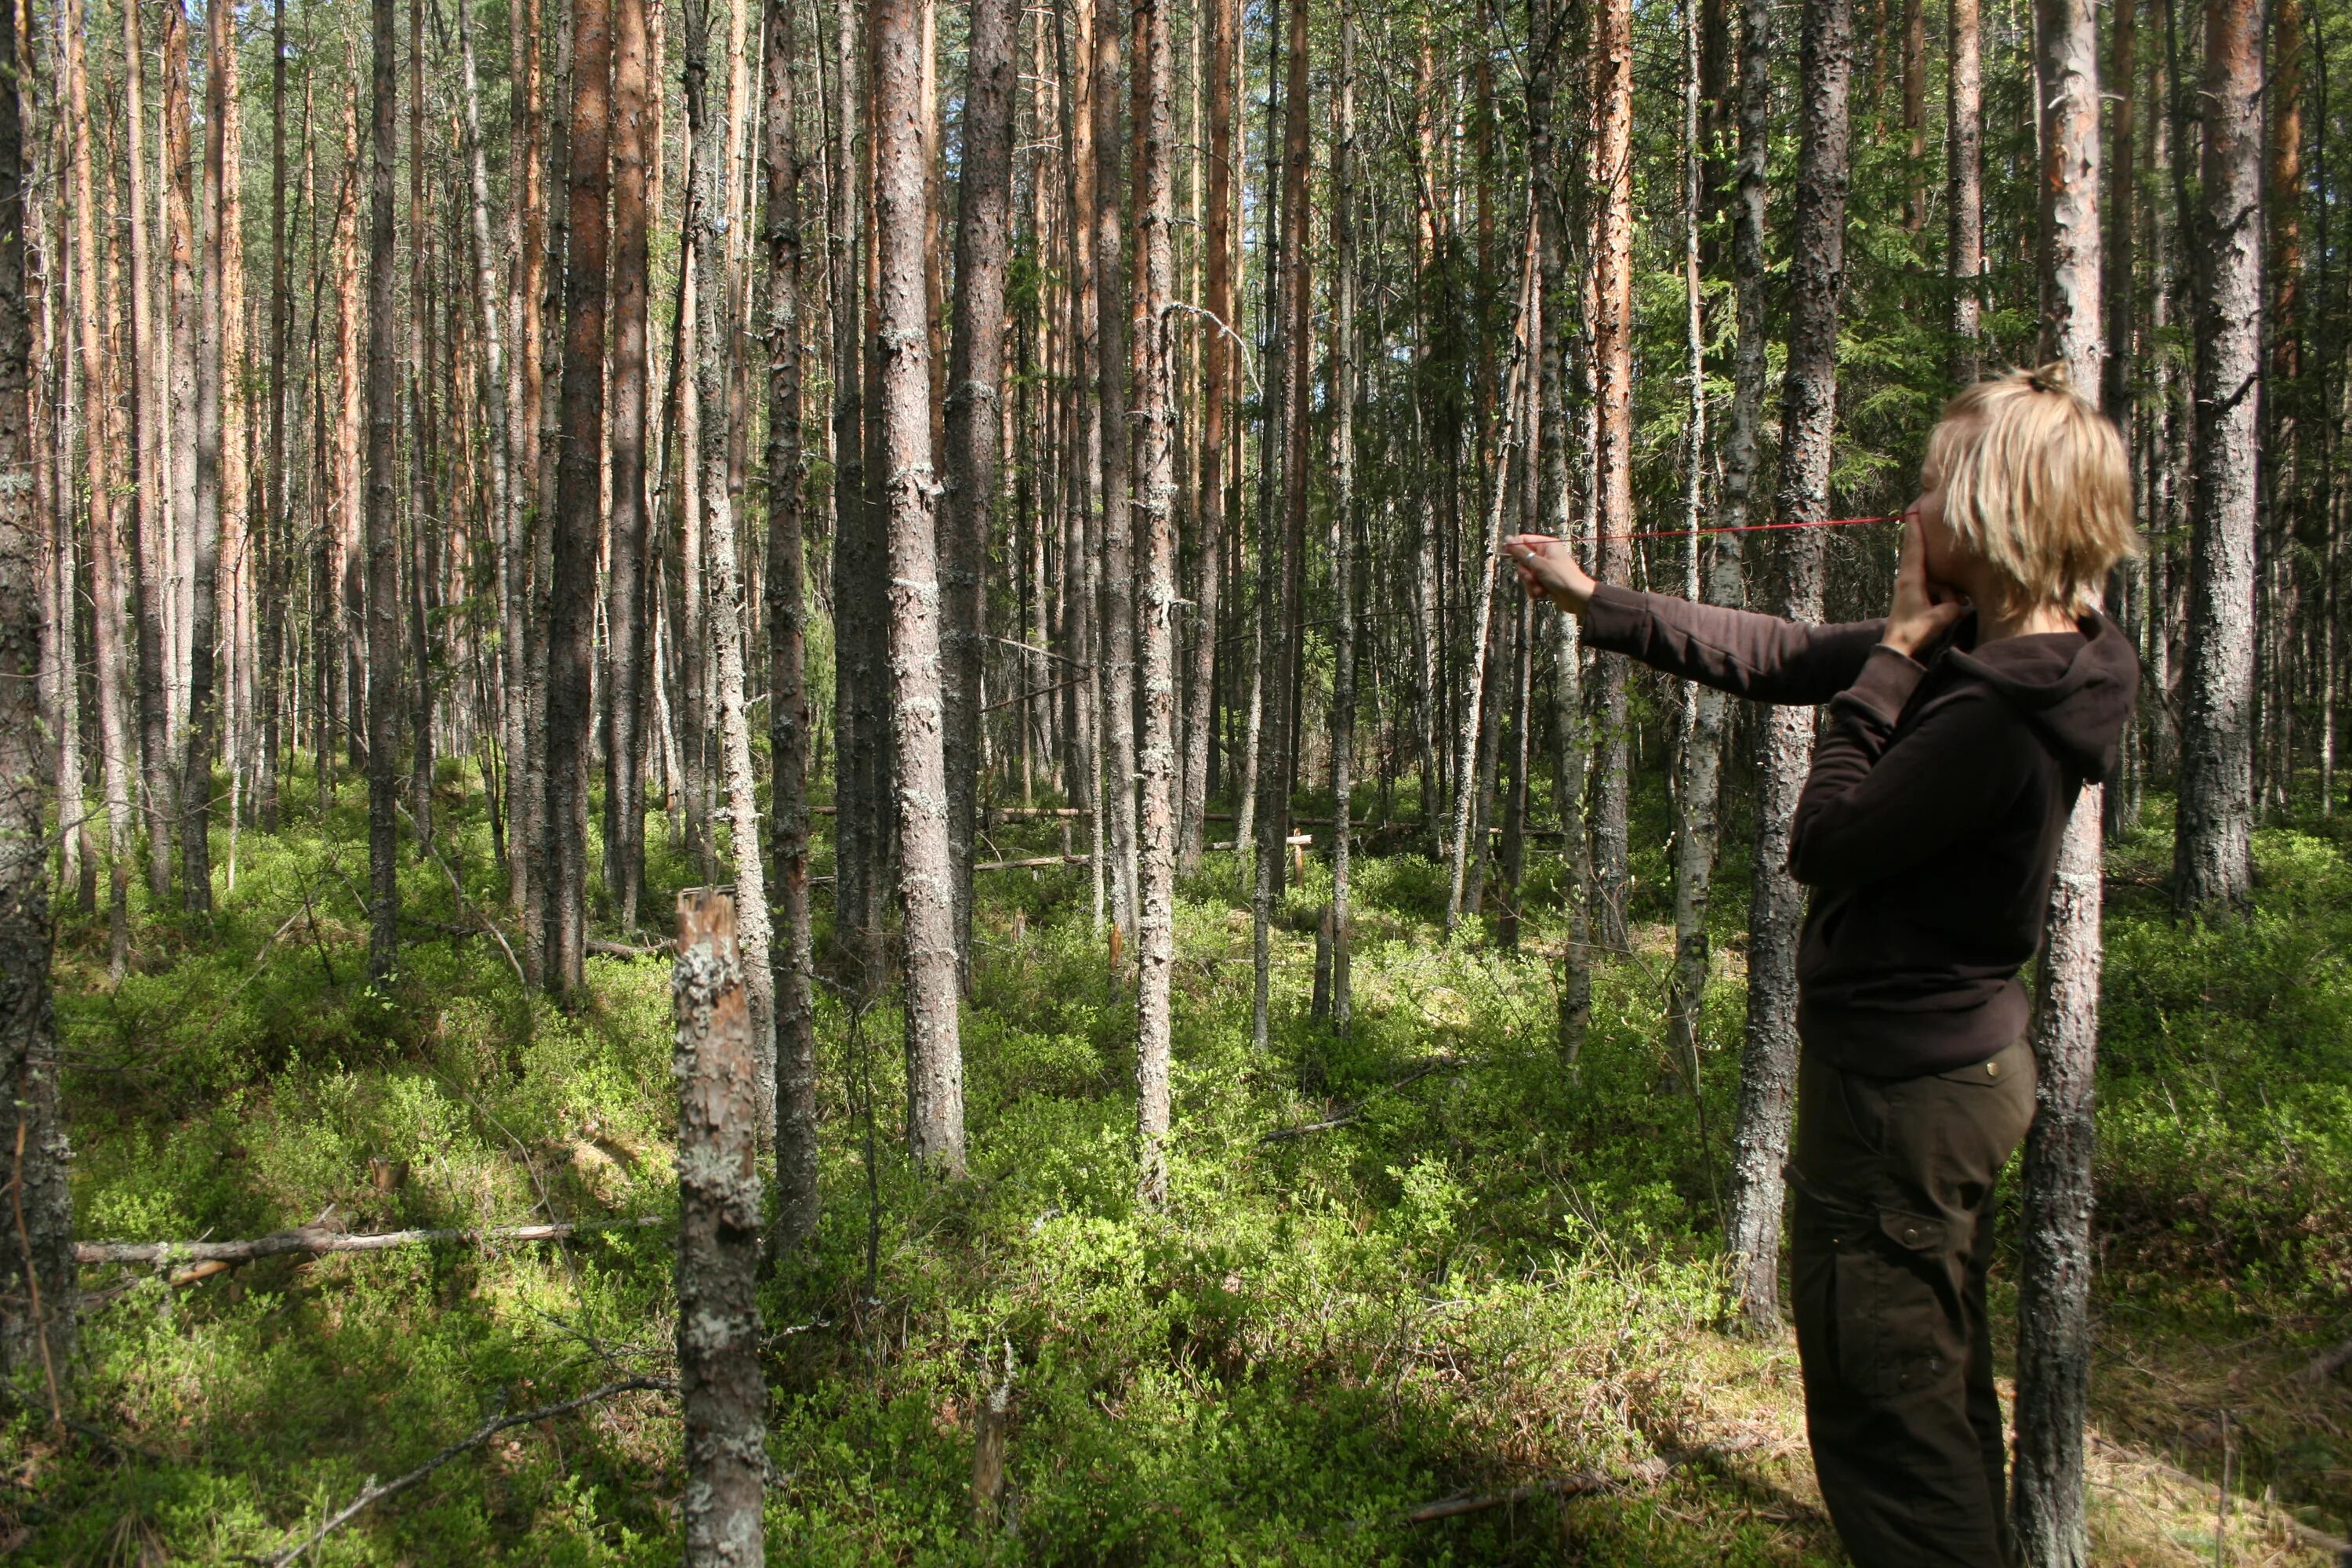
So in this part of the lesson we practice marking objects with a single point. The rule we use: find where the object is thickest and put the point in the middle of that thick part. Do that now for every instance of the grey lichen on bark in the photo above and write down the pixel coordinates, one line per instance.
(719, 1378)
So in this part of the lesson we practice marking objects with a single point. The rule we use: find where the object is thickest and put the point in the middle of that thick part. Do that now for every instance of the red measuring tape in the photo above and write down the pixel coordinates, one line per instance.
(1748, 528)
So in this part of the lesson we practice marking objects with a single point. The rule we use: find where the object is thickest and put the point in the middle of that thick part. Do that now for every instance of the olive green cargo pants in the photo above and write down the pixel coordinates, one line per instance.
(1890, 1235)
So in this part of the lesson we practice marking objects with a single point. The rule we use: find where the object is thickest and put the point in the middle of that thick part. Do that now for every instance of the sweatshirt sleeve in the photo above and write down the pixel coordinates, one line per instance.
(1868, 812)
(1738, 651)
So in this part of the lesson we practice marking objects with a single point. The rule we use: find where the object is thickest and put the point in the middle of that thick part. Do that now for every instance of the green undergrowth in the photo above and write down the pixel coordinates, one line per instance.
(1434, 1254)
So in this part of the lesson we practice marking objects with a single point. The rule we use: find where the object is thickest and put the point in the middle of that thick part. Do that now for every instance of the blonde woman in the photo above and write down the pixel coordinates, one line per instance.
(1960, 728)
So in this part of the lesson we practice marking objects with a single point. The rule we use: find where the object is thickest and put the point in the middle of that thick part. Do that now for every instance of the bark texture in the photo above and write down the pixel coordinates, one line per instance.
(797, 1197)
(2212, 865)
(1768, 1074)
(926, 876)
(975, 418)
(579, 485)
(37, 1268)
(1155, 217)
(719, 1379)
(383, 521)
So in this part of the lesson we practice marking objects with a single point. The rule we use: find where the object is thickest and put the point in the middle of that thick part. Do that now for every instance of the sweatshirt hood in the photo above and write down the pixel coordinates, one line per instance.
(2077, 692)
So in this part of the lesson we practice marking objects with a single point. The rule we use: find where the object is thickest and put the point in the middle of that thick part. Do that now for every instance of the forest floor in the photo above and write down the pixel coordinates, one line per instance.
(1430, 1262)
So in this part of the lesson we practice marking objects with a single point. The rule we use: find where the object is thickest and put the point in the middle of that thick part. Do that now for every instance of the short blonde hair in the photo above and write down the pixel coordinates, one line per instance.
(2036, 485)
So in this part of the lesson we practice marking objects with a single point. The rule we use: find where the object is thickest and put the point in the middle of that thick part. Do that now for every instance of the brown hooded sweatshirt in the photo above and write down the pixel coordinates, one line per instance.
(1929, 827)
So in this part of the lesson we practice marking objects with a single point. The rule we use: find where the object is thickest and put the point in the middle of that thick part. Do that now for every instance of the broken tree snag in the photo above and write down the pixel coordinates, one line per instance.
(993, 1430)
(719, 1242)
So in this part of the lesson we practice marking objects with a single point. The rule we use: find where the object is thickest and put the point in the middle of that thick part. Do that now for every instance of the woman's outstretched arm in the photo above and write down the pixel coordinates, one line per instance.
(1738, 651)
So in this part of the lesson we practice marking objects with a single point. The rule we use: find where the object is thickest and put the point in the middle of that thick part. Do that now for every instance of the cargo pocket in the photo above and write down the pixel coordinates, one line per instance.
(1895, 1333)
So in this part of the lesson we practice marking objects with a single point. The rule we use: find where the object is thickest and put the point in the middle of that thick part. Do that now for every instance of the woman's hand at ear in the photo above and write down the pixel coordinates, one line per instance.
(1548, 569)
(1924, 608)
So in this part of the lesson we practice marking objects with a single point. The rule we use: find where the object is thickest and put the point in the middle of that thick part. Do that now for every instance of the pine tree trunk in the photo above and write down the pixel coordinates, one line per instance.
(1220, 24)
(2212, 868)
(105, 555)
(1808, 417)
(975, 420)
(797, 1196)
(505, 522)
(714, 327)
(2128, 583)
(203, 732)
(382, 530)
(2054, 1303)
(1612, 456)
(1154, 370)
(860, 674)
(423, 512)
(148, 532)
(180, 527)
(1343, 506)
(37, 1274)
(1117, 671)
(935, 1060)
(525, 789)
(572, 595)
(627, 617)
(720, 1383)
(1697, 829)
(1964, 141)
(277, 653)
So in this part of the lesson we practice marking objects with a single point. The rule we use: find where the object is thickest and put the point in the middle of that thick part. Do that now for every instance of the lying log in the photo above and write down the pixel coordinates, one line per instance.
(1583, 1483)
(318, 1239)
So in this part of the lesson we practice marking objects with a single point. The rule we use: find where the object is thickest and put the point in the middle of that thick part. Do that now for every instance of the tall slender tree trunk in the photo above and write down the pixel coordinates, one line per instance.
(382, 519)
(1154, 368)
(860, 673)
(1117, 615)
(203, 735)
(975, 420)
(1807, 419)
(627, 608)
(423, 588)
(1343, 506)
(37, 1273)
(714, 329)
(105, 555)
(177, 584)
(2053, 1300)
(2129, 587)
(1612, 456)
(934, 1055)
(1964, 199)
(279, 515)
(149, 530)
(572, 595)
(2212, 866)
(1698, 827)
(1220, 24)
(525, 787)
(797, 1197)
(506, 523)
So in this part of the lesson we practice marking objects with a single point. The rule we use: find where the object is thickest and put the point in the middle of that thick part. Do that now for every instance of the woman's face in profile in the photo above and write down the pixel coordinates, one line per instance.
(1945, 559)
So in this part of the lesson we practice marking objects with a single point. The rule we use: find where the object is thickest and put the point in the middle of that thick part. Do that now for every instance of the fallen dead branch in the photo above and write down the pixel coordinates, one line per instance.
(316, 1239)
(373, 1494)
